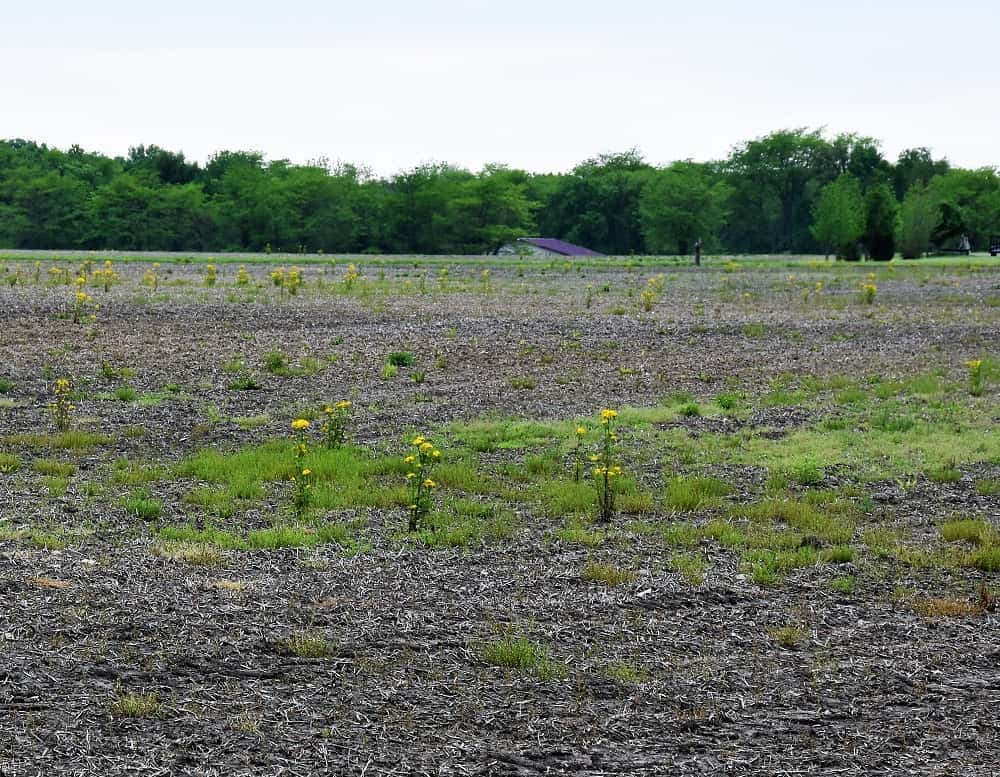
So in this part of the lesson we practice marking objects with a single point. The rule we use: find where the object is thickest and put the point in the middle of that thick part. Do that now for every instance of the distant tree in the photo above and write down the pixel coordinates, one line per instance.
(775, 179)
(916, 165)
(918, 216)
(970, 204)
(839, 217)
(681, 203)
(881, 215)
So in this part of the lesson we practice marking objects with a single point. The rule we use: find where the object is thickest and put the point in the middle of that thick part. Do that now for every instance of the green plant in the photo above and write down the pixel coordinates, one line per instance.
(788, 636)
(335, 423)
(135, 705)
(976, 377)
(606, 574)
(868, 291)
(306, 644)
(581, 432)
(275, 361)
(142, 505)
(401, 359)
(9, 463)
(210, 274)
(420, 466)
(690, 493)
(605, 467)
(126, 394)
(389, 371)
(522, 654)
(302, 477)
(844, 585)
(61, 407)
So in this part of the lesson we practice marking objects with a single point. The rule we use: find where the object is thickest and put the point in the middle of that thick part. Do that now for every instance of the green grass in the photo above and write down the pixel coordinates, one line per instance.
(73, 439)
(307, 644)
(136, 705)
(126, 394)
(53, 468)
(984, 486)
(272, 538)
(691, 493)
(9, 463)
(523, 655)
(142, 505)
(691, 566)
(977, 532)
(606, 574)
(788, 636)
(562, 498)
(845, 584)
(575, 532)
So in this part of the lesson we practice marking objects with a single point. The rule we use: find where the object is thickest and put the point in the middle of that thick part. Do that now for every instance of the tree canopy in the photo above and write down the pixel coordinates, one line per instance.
(786, 191)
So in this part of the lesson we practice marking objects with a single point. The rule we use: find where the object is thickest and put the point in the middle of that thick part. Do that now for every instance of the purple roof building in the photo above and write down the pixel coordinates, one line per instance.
(544, 246)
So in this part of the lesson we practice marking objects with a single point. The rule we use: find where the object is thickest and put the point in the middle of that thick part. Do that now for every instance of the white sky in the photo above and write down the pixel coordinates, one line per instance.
(540, 84)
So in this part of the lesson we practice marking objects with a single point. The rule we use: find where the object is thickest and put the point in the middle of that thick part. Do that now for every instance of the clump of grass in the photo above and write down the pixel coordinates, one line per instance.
(72, 439)
(788, 636)
(53, 468)
(986, 559)
(126, 394)
(606, 574)
(946, 607)
(142, 505)
(521, 382)
(130, 704)
(522, 654)
(9, 463)
(691, 566)
(984, 487)
(977, 532)
(197, 553)
(839, 554)
(576, 532)
(307, 644)
(948, 473)
(690, 493)
(627, 672)
(845, 584)
(401, 359)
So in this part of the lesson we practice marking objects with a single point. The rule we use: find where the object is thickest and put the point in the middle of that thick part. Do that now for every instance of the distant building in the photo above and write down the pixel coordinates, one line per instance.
(543, 246)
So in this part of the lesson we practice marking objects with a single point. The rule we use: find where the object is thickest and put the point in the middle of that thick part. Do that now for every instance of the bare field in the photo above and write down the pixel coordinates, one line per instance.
(799, 577)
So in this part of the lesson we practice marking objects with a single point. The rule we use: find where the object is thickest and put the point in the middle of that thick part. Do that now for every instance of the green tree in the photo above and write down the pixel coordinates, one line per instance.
(681, 203)
(775, 178)
(881, 216)
(839, 217)
(918, 216)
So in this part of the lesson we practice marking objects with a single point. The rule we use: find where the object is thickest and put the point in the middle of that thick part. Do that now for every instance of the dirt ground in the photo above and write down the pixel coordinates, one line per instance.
(872, 688)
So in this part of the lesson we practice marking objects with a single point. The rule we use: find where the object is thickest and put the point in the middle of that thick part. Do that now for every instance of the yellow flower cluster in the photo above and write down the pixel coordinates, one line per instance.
(419, 466)
(300, 424)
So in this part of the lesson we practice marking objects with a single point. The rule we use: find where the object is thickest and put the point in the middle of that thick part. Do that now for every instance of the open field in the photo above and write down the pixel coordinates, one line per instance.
(800, 576)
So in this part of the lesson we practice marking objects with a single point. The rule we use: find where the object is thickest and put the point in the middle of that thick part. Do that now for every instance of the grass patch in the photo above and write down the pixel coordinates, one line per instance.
(9, 463)
(977, 532)
(690, 493)
(130, 704)
(307, 644)
(522, 654)
(53, 468)
(690, 566)
(195, 553)
(788, 636)
(606, 574)
(73, 439)
(142, 505)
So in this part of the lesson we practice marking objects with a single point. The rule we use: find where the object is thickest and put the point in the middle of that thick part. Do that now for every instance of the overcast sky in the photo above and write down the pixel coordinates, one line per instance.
(539, 84)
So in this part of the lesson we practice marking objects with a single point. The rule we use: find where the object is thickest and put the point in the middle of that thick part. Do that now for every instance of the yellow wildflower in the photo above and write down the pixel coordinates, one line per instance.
(580, 431)
(410, 459)
(608, 414)
(418, 440)
(300, 424)
(429, 483)
(343, 404)
(306, 472)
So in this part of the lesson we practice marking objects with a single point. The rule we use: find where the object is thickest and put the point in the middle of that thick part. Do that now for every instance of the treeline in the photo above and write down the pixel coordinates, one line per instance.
(792, 190)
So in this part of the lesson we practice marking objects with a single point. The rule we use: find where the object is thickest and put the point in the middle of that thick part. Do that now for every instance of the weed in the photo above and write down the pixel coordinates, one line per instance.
(335, 423)
(420, 466)
(522, 654)
(131, 704)
(606, 574)
(62, 407)
(788, 636)
(606, 470)
(307, 644)
(9, 463)
(521, 382)
(844, 585)
(984, 487)
(126, 394)
(401, 359)
(141, 505)
(690, 566)
(976, 377)
(977, 532)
